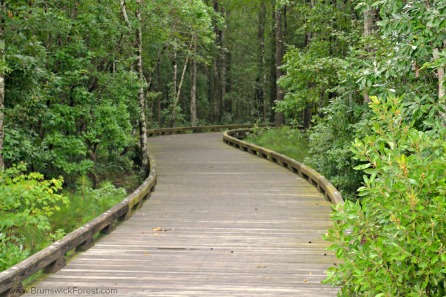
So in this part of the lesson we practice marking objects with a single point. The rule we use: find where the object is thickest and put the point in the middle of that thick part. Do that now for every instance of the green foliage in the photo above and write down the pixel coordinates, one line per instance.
(10, 253)
(314, 69)
(86, 203)
(392, 242)
(309, 80)
(329, 144)
(68, 95)
(28, 203)
(285, 140)
(28, 199)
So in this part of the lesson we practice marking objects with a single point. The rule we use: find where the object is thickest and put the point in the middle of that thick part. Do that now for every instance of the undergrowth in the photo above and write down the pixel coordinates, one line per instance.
(284, 140)
(22, 233)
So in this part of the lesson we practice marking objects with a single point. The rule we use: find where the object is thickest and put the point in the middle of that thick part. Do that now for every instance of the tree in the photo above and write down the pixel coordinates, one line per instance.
(2, 79)
(193, 90)
(142, 81)
(141, 92)
(261, 63)
(280, 119)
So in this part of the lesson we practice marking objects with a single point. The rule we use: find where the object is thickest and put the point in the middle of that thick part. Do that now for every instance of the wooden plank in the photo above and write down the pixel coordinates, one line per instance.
(221, 223)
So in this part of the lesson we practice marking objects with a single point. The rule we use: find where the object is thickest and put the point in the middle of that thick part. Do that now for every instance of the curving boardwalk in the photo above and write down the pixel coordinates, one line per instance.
(220, 223)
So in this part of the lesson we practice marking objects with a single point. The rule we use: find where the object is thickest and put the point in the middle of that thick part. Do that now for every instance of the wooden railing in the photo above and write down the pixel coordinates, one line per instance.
(234, 138)
(53, 258)
(196, 129)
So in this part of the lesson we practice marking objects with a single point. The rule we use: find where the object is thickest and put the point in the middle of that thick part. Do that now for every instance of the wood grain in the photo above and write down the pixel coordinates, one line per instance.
(220, 223)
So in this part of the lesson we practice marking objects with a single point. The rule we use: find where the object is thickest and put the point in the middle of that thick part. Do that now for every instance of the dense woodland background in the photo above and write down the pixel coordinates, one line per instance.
(81, 81)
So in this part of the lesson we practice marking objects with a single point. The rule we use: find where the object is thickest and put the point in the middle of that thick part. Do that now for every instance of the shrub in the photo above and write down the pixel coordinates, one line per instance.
(392, 241)
(28, 201)
(329, 144)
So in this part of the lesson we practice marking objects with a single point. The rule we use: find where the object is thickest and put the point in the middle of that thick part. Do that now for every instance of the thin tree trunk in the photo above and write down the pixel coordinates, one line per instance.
(222, 67)
(260, 80)
(216, 73)
(141, 93)
(273, 72)
(193, 90)
(2, 81)
(280, 118)
(440, 77)
(177, 95)
(175, 73)
(308, 115)
(369, 18)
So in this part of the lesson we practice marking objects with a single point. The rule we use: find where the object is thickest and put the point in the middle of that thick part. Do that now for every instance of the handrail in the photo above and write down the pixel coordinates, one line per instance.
(197, 129)
(234, 138)
(52, 258)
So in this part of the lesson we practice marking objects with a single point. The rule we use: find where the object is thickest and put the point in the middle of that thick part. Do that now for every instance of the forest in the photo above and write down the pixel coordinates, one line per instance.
(359, 85)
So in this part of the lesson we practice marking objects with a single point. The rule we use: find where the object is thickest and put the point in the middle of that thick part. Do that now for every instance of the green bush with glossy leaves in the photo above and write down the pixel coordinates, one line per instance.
(392, 242)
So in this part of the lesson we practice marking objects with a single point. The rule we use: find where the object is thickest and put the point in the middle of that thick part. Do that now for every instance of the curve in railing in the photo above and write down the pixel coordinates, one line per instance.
(53, 257)
(234, 138)
(197, 129)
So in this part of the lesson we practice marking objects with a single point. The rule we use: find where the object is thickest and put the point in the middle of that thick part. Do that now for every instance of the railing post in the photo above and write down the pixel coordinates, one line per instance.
(56, 265)
(84, 246)
(108, 229)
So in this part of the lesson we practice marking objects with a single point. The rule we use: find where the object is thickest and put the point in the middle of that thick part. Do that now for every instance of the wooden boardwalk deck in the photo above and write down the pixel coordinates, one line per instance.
(220, 223)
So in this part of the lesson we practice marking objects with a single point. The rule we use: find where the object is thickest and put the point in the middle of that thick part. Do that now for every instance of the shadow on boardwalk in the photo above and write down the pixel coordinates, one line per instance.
(220, 223)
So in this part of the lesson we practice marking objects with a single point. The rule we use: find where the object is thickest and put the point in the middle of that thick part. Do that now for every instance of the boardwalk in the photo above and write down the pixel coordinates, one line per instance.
(220, 223)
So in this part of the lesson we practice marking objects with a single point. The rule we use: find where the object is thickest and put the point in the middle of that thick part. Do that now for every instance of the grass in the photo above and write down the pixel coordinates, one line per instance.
(85, 205)
(284, 140)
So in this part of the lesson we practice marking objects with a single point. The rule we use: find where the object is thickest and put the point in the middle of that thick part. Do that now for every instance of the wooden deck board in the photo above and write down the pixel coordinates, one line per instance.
(232, 225)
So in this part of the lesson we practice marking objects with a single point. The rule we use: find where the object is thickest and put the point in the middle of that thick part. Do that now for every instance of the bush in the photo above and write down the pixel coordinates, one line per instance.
(28, 199)
(28, 202)
(329, 144)
(392, 241)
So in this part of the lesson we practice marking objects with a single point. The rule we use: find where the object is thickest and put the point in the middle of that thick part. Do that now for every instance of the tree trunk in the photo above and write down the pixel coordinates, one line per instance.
(193, 90)
(308, 115)
(222, 67)
(261, 77)
(280, 118)
(369, 19)
(273, 78)
(2, 80)
(177, 95)
(440, 77)
(175, 74)
(216, 79)
(141, 93)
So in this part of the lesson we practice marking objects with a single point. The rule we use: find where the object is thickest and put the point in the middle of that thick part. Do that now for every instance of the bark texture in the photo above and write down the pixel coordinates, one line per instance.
(280, 118)
(2, 81)
(193, 91)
